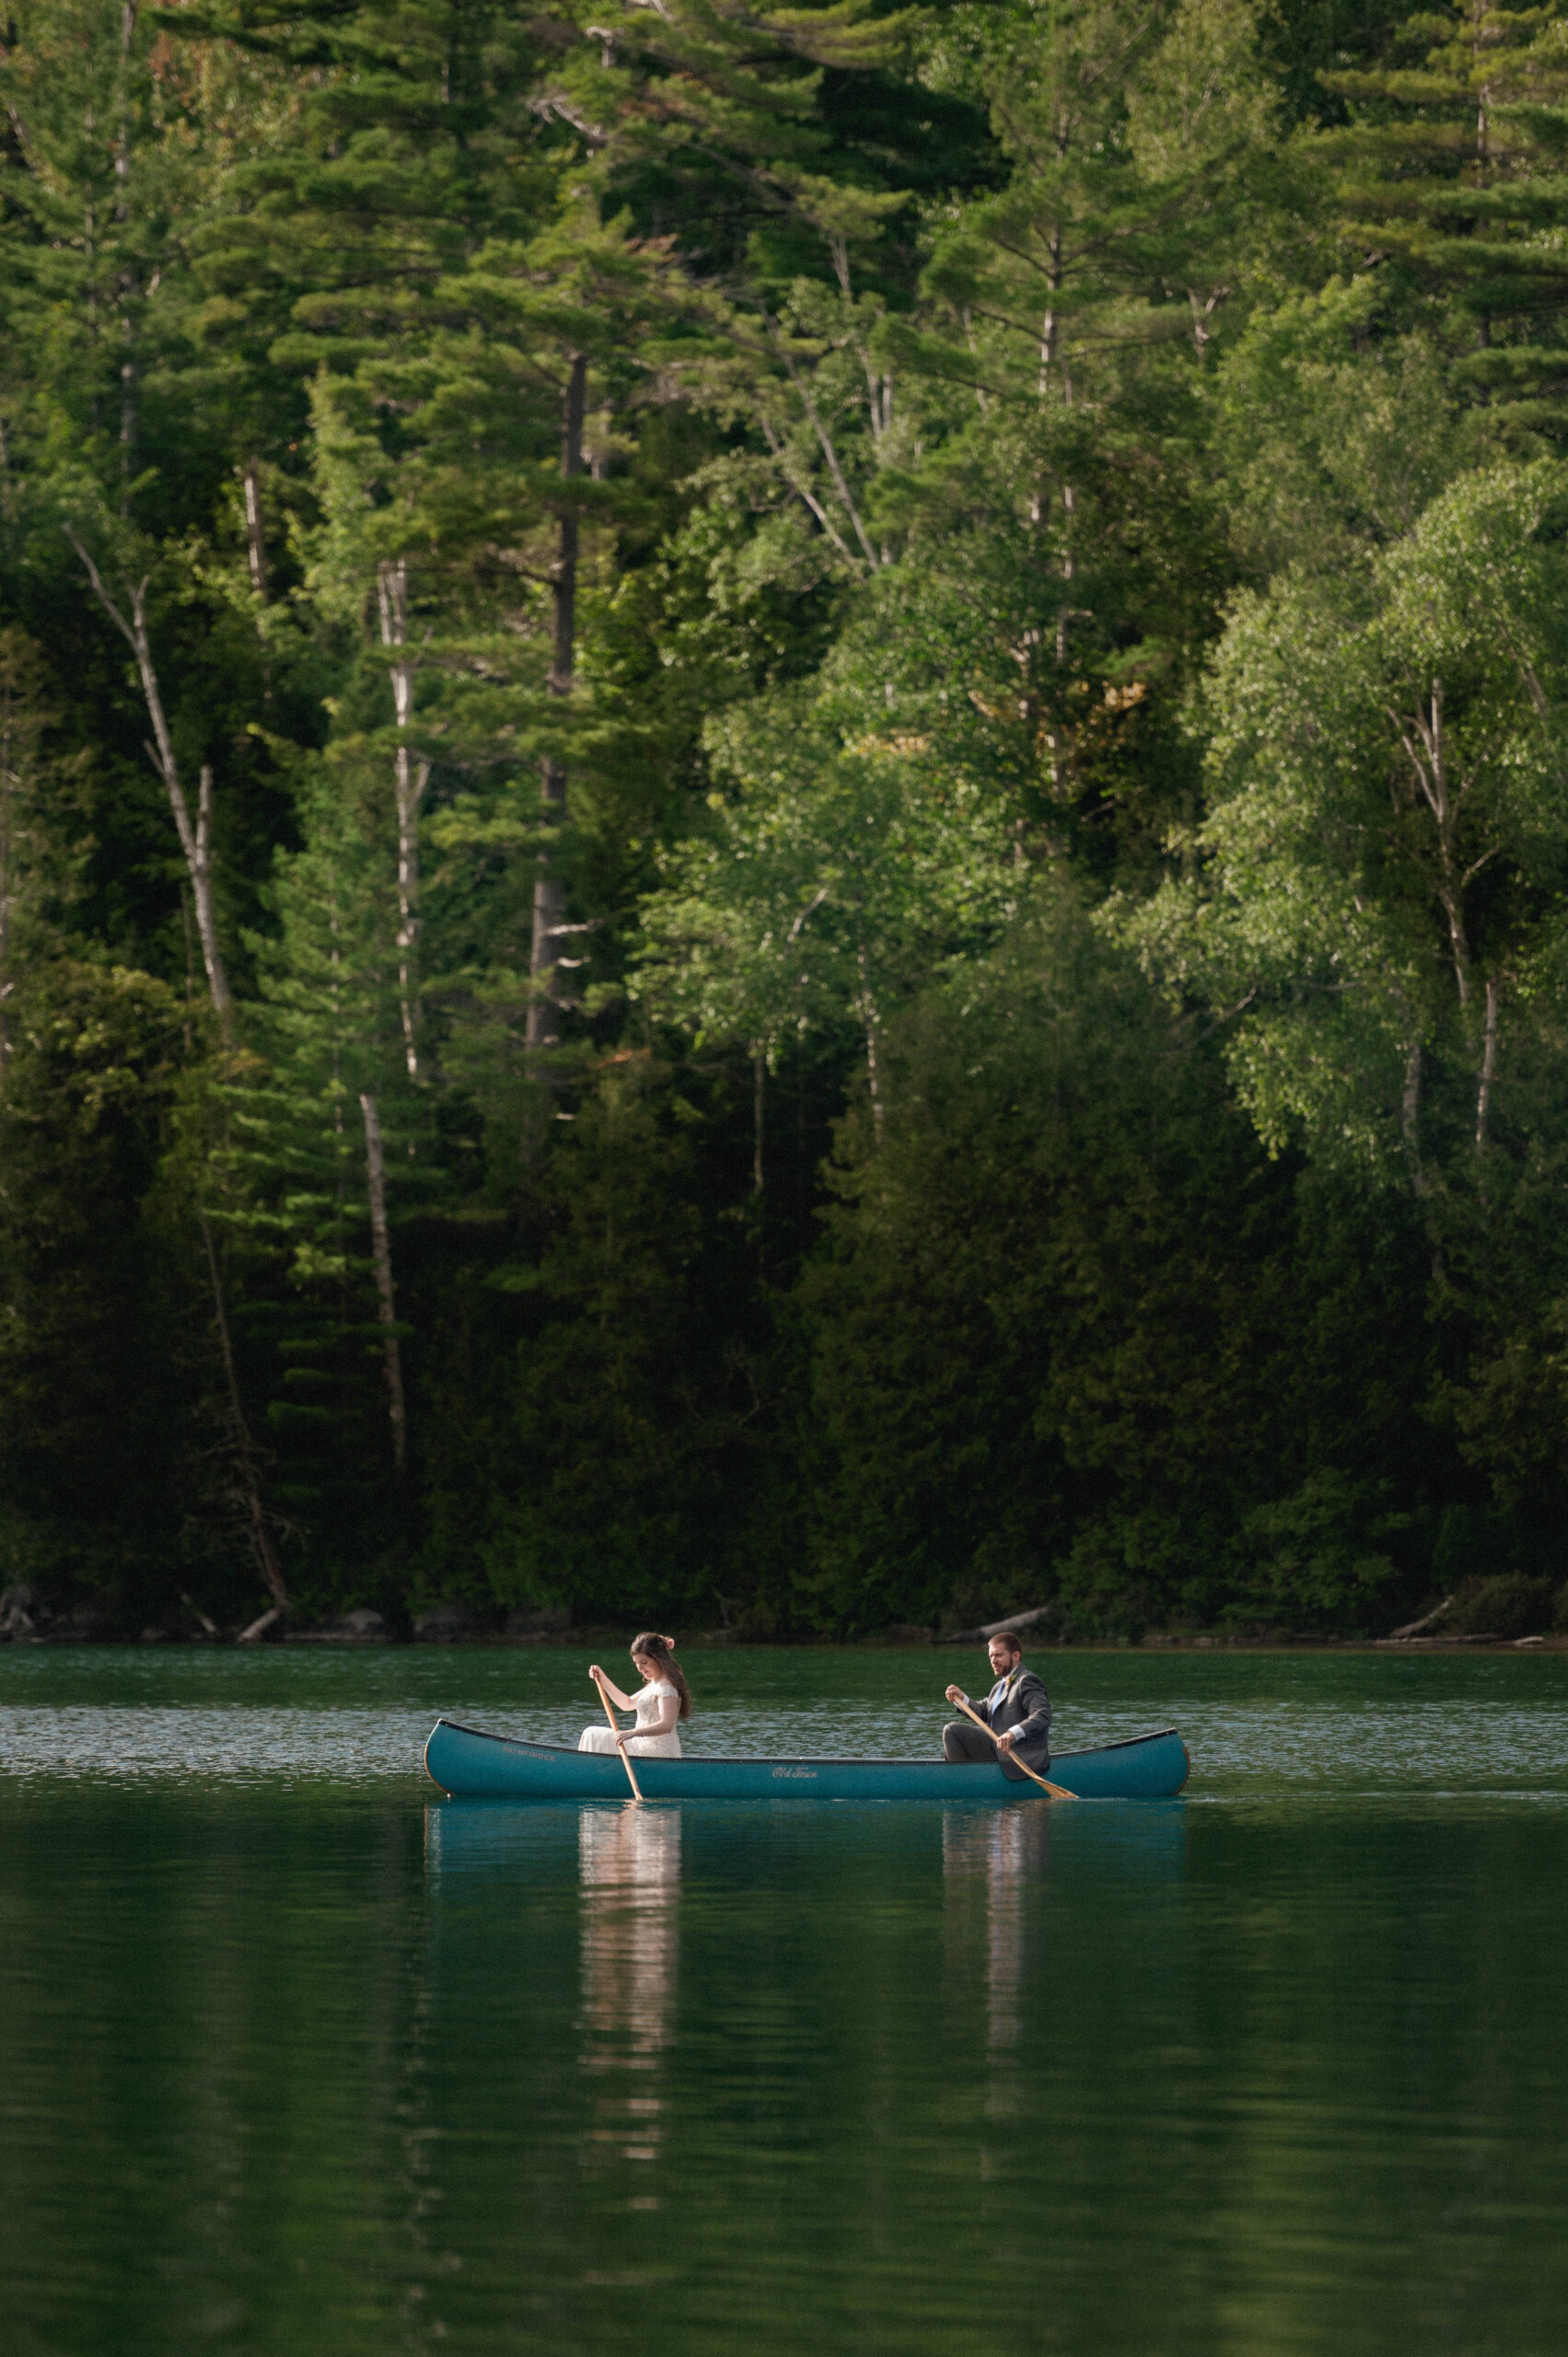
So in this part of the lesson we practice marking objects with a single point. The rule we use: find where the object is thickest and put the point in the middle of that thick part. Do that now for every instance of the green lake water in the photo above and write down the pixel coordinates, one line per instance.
(296, 2057)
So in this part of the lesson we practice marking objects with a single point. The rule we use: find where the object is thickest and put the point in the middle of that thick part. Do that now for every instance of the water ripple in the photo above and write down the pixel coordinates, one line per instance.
(1255, 1747)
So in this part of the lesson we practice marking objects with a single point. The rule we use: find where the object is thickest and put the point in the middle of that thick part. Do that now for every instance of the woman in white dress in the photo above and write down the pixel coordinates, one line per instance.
(665, 1700)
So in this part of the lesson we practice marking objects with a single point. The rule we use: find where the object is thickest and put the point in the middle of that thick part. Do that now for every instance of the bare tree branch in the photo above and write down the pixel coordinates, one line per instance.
(809, 406)
(194, 839)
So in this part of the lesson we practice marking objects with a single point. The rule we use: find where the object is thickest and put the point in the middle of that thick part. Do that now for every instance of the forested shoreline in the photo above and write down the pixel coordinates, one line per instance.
(783, 808)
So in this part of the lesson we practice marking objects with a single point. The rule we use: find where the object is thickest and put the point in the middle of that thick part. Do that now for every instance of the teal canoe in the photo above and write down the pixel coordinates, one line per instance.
(471, 1765)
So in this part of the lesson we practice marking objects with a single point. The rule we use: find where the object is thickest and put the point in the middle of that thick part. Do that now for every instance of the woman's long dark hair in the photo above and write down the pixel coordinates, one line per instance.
(661, 1653)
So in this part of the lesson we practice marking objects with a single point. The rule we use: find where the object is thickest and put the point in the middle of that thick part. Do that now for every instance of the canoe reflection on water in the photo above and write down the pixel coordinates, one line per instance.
(534, 1844)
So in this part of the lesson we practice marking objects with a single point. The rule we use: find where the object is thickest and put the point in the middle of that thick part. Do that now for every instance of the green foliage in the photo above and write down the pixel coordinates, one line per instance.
(1382, 851)
(630, 1400)
(1452, 171)
(1337, 427)
(832, 883)
(85, 1440)
(1509, 1606)
(1063, 1337)
(1315, 1566)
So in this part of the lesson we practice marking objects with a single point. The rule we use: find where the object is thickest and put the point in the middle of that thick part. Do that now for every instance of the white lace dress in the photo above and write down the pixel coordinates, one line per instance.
(647, 1705)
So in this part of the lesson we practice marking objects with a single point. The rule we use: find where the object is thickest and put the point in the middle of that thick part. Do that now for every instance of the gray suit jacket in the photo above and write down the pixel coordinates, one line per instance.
(1022, 1704)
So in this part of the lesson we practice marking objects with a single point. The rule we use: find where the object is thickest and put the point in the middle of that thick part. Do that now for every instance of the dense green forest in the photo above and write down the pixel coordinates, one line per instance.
(783, 810)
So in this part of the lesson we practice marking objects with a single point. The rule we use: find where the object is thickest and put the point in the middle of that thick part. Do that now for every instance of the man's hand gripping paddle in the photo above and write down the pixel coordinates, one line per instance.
(1051, 1792)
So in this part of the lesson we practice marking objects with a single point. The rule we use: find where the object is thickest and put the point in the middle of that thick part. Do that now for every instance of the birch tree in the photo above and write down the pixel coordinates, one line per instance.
(127, 610)
(1368, 904)
(837, 878)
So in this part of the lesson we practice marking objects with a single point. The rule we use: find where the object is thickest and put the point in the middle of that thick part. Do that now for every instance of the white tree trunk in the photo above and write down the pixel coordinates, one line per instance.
(195, 837)
(872, 1023)
(254, 537)
(381, 1248)
(549, 897)
(262, 1541)
(1488, 1069)
(411, 775)
(1409, 1115)
(824, 443)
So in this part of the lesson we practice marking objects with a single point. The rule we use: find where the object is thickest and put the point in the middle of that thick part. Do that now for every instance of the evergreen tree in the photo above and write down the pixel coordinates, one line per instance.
(1049, 1334)
(39, 856)
(1453, 176)
(321, 1159)
(88, 1415)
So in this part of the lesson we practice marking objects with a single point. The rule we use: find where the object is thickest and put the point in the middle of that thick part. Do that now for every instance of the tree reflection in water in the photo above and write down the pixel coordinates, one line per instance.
(628, 1861)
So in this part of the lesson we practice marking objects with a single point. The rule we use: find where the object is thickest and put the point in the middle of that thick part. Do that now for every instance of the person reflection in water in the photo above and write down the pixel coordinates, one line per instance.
(663, 1702)
(1017, 1712)
(630, 1870)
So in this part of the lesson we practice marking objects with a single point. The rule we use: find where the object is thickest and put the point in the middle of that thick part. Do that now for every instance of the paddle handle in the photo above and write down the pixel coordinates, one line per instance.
(625, 1756)
(1054, 1791)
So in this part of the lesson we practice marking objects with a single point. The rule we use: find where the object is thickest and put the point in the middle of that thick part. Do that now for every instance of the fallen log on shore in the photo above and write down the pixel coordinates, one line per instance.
(1013, 1626)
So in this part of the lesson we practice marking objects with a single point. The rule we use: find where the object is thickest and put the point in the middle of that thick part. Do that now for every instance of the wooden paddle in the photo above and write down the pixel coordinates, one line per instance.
(625, 1756)
(1052, 1792)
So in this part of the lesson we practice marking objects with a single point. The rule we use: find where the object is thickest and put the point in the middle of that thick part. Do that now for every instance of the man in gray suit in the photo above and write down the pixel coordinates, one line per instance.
(1016, 1711)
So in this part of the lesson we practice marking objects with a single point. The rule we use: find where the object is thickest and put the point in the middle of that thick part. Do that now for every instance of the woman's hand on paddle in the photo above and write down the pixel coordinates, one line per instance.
(596, 1674)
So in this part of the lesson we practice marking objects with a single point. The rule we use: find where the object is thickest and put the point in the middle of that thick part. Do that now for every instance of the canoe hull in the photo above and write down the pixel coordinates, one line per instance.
(472, 1765)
